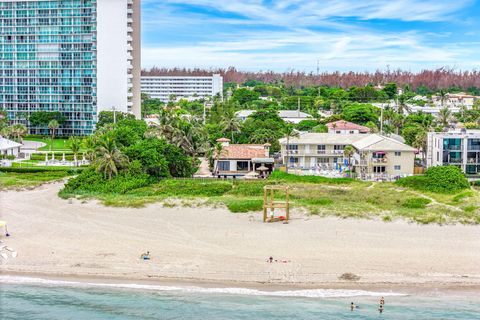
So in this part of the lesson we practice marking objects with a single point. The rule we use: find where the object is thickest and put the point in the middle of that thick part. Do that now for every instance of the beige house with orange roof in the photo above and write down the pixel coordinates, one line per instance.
(238, 160)
(346, 127)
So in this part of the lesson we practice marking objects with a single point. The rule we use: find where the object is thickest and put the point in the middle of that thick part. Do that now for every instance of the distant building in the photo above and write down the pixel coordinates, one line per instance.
(345, 127)
(455, 100)
(239, 160)
(182, 87)
(290, 116)
(375, 156)
(77, 57)
(458, 147)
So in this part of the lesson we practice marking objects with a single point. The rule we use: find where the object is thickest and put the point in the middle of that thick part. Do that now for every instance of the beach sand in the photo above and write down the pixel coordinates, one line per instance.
(61, 238)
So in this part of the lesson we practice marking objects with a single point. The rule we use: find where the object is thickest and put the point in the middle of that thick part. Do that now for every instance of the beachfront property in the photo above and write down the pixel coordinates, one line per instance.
(455, 100)
(242, 160)
(190, 88)
(456, 147)
(346, 127)
(9, 147)
(290, 116)
(78, 57)
(374, 156)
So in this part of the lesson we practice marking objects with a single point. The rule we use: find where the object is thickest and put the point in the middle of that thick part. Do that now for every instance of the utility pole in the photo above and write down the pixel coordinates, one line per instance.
(298, 107)
(381, 119)
(204, 112)
(318, 67)
(114, 115)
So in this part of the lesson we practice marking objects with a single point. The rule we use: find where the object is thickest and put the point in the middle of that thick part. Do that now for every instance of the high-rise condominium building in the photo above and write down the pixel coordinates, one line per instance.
(182, 87)
(77, 57)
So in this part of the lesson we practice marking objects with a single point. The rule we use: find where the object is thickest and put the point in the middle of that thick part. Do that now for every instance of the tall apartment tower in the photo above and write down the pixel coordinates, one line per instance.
(78, 57)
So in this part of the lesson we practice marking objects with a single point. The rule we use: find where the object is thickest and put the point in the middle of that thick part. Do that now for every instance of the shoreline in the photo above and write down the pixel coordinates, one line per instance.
(402, 289)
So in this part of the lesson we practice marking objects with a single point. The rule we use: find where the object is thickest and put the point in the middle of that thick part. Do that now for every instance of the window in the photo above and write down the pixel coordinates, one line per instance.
(242, 165)
(293, 160)
(320, 149)
(397, 167)
(338, 132)
(379, 169)
(322, 160)
(224, 165)
(398, 153)
(351, 132)
(292, 149)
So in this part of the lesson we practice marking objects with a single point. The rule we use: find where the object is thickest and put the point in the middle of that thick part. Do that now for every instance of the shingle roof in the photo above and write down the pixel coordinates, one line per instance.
(243, 151)
(346, 125)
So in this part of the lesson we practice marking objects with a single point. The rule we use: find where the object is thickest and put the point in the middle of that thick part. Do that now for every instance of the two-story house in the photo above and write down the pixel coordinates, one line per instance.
(373, 155)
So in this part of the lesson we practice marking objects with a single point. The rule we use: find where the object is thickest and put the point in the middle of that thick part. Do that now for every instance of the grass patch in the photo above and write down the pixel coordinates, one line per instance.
(57, 144)
(244, 205)
(416, 203)
(14, 180)
(291, 178)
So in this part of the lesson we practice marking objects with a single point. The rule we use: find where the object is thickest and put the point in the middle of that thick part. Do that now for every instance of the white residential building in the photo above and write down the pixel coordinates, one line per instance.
(77, 57)
(375, 156)
(291, 116)
(457, 147)
(182, 87)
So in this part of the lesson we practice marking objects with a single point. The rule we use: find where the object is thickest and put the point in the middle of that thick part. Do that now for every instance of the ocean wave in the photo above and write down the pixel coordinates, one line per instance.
(310, 293)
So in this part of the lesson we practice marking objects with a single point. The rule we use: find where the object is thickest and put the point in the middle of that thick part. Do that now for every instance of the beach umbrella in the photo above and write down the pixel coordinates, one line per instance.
(262, 168)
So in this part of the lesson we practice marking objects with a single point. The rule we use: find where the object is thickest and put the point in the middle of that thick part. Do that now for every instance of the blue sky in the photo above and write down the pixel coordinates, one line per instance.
(283, 35)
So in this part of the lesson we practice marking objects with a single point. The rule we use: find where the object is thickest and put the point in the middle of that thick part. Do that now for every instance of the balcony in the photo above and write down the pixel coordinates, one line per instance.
(379, 160)
(453, 147)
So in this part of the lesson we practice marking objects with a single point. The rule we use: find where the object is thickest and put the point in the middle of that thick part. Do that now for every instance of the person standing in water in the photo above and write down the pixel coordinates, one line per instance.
(352, 306)
(380, 309)
(382, 301)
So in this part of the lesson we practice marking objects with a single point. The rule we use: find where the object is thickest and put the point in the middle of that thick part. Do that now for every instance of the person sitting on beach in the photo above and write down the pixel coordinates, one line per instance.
(382, 301)
(270, 260)
(145, 256)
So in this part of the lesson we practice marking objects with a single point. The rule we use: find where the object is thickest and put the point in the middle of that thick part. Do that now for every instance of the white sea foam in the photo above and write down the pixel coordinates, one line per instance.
(311, 293)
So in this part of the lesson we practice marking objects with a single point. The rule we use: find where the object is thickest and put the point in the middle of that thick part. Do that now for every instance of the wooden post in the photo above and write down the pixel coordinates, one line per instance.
(287, 203)
(265, 204)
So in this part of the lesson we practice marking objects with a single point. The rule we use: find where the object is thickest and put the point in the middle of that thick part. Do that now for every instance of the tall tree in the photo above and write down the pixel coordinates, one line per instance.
(444, 117)
(53, 126)
(230, 123)
(108, 158)
(75, 144)
(348, 152)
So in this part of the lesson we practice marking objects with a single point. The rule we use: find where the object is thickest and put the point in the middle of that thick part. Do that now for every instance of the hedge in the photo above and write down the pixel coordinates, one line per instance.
(42, 169)
(441, 179)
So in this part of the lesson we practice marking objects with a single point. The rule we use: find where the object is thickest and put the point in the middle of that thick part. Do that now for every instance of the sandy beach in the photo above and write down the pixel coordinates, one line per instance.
(60, 238)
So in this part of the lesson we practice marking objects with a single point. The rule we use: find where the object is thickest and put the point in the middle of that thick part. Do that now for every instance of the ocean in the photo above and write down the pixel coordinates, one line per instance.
(34, 298)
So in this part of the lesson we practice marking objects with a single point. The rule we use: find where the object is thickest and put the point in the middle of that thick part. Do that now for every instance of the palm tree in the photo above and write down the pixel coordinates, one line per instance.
(229, 122)
(18, 131)
(218, 148)
(75, 145)
(193, 139)
(444, 117)
(443, 96)
(420, 142)
(108, 158)
(53, 125)
(90, 144)
(289, 132)
(348, 152)
(402, 105)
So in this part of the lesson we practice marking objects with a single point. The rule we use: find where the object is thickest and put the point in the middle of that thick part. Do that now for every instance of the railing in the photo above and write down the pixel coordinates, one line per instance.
(453, 147)
(379, 160)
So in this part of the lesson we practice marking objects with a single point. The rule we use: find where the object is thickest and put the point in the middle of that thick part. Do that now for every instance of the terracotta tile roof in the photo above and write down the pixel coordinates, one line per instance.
(345, 125)
(243, 151)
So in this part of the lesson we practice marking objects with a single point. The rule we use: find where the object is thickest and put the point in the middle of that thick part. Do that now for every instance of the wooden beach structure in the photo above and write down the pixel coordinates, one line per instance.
(270, 204)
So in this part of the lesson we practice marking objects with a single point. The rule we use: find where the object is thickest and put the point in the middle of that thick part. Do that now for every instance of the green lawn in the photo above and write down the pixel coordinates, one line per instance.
(14, 180)
(325, 197)
(58, 144)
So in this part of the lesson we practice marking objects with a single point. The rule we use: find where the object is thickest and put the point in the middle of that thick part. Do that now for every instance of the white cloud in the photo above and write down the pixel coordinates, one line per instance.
(311, 30)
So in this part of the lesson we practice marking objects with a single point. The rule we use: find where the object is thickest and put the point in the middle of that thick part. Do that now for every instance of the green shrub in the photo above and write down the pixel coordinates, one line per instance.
(90, 182)
(7, 156)
(442, 179)
(186, 187)
(416, 203)
(292, 178)
(446, 179)
(245, 205)
(42, 169)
